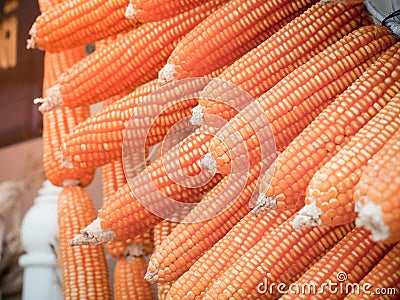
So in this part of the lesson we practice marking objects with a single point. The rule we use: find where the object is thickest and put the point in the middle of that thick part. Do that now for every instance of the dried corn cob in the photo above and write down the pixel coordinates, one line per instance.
(227, 34)
(296, 100)
(60, 122)
(329, 195)
(376, 195)
(385, 276)
(316, 145)
(152, 11)
(189, 240)
(133, 59)
(161, 231)
(84, 269)
(124, 216)
(128, 272)
(129, 282)
(346, 263)
(98, 140)
(261, 68)
(270, 261)
(76, 23)
(113, 177)
(246, 233)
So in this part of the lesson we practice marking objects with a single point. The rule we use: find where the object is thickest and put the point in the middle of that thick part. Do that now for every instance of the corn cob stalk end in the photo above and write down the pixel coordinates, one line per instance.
(93, 234)
(151, 276)
(130, 12)
(197, 118)
(370, 216)
(30, 43)
(264, 203)
(166, 74)
(307, 216)
(53, 99)
(209, 162)
(134, 250)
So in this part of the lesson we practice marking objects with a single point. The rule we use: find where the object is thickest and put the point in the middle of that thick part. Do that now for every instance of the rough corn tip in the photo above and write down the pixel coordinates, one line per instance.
(264, 203)
(93, 234)
(151, 277)
(308, 216)
(134, 250)
(53, 99)
(209, 163)
(130, 12)
(197, 118)
(30, 43)
(370, 216)
(166, 74)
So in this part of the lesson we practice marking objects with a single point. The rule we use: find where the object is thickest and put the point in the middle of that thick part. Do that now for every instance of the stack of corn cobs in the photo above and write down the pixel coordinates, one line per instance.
(250, 148)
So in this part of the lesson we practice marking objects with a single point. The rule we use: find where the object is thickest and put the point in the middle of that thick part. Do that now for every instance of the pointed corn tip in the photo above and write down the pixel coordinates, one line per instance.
(370, 216)
(130, 12)
(166, 74)
(307, 216)
(264, 203)
(151, 277)
(93, 234)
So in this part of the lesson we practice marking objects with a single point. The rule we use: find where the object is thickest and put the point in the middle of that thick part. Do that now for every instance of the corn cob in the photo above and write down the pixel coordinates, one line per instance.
(329, 195)
(59, 122)
(189, 240)
(129, 282)
(346, 263)
(376, 195)
(261, 68)
(124, 216)
(246, 233)
(227, 34)
(385, 276)
(76, 23)
(113, 177)
(269, 261)
(84, 269)
(98, 140)
(296, 100)
(161, 232)
(133, 59)
(152, 11)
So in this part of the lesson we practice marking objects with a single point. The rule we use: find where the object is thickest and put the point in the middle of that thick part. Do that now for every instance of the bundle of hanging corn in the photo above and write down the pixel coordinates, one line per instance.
(250, 149)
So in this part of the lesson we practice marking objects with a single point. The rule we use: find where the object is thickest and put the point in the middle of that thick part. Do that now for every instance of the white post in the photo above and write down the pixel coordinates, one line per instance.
(39, 234)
